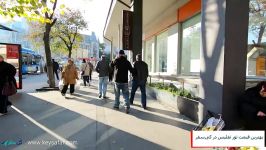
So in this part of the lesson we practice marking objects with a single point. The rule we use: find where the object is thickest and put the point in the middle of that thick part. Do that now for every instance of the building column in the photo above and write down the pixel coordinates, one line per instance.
(223, 57)
(137, 28)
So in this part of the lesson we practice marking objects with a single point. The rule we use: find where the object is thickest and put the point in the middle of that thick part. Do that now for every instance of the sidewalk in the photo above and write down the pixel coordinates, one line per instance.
(46, 120)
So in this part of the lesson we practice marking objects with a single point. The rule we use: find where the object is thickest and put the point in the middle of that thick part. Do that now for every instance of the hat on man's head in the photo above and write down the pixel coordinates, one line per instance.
(121, 52)
(138, 56)
(103, 57)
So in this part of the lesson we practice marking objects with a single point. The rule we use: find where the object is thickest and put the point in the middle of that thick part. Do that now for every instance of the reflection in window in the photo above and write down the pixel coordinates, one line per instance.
(256, 53)
(148, 53)
(190, 54)
(161, 52)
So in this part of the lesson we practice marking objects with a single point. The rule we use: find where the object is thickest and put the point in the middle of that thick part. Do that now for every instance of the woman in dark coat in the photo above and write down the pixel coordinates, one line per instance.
(7, 72)
(253, 107)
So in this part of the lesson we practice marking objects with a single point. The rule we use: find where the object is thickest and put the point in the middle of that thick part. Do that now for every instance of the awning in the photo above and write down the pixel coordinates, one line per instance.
(6, 28)
(157, 16)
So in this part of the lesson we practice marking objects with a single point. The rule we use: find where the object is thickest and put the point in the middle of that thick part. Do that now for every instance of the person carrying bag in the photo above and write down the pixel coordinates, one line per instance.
(85, 72)
(69, 77)
(7, 84)
(9, 87)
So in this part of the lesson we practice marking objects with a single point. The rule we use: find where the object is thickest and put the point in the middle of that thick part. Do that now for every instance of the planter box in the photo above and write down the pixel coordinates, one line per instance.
(188, 107)
(184, 106)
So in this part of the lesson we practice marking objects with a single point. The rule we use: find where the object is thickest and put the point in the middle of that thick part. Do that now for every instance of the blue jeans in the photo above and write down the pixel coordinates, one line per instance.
(103, 85)
(142, 86)
(125, 91)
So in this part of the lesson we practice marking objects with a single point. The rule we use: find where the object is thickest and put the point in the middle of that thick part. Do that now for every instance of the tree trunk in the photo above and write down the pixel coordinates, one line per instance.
(49, 64)
(261, 32)
(69, 53)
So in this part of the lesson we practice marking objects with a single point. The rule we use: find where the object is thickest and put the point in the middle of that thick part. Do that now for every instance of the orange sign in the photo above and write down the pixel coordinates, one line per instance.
(260, 66)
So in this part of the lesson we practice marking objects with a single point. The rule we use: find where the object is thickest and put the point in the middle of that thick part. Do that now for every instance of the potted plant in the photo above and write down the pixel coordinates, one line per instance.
(186, 103)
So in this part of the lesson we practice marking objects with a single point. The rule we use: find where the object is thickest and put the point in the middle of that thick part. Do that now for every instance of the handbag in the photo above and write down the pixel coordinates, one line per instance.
(83, 72)
(9, 88)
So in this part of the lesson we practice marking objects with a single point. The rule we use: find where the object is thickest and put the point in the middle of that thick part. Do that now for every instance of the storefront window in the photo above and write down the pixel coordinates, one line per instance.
(161, 52)
(256, 53)
(190, 53)
(149, 47)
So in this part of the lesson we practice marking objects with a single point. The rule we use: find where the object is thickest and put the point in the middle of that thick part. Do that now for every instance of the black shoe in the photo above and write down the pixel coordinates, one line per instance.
(131, 103)
(3, 114)
(104, 97)
(9, 103)
(100, 95)
(116, 108)
(144, 107)
(127, 110)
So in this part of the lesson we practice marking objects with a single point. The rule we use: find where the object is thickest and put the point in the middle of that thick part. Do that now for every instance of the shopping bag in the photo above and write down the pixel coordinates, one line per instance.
(9, 89)
(77, 85)
(61, 84)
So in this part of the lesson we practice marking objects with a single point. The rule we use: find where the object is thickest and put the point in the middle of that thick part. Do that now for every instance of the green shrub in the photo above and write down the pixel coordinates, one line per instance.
(174, 90)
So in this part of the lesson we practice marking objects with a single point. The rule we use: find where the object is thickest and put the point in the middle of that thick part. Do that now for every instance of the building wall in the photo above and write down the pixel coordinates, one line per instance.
(167, 25)
(162, 22)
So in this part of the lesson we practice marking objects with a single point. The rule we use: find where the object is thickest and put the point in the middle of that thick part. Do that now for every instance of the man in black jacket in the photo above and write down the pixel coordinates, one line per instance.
(120, 67)
(55, 68)
(7, 73)
(139, 80)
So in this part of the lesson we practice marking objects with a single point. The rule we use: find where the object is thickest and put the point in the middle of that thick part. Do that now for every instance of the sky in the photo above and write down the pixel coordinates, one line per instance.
(94, 12)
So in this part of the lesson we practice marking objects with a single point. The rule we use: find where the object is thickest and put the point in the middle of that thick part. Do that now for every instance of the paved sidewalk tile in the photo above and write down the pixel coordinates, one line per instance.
(47, 120)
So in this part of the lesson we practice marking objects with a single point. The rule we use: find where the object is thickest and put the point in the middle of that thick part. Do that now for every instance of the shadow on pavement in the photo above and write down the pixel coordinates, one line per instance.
(144, 115)
(164, 112)
(88, 133)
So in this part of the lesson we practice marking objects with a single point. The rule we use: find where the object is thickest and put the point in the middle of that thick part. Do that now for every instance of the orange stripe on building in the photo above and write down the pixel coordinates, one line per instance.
(188, 10)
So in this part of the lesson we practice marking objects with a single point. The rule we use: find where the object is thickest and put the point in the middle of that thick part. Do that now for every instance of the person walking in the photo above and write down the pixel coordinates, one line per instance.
(69, 76)
(55, 68)
(139, 80)
(102, 68)
(7, 74)
(91, 68)
(120, 66)
(85, 72)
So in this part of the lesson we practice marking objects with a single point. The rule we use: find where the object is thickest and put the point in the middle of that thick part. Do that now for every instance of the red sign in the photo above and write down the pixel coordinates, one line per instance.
(90, 59)
(127, 29)
(12, 52)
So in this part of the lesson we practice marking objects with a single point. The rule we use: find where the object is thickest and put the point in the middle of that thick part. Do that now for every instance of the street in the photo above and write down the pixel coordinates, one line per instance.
(47, 120)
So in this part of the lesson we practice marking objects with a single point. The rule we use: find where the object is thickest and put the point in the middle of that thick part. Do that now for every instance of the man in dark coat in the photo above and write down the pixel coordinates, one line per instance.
(120, 67)
(103, 69)
(139, 80)
(7, 73)
(253, 107)
(55, 68)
